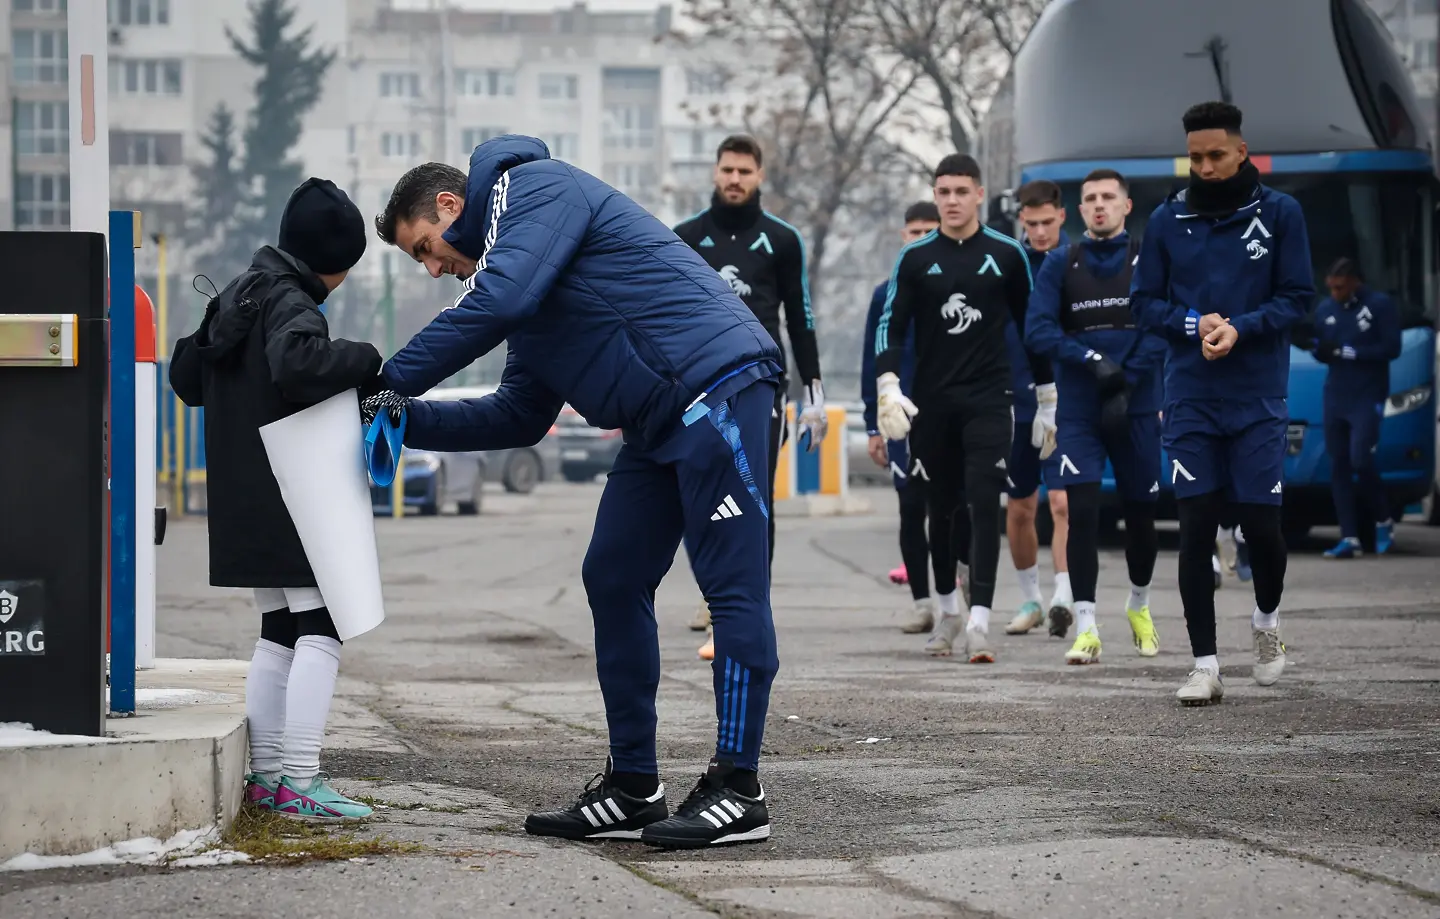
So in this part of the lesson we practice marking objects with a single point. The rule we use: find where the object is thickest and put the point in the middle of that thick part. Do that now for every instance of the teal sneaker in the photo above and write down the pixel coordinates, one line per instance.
(316, 800)
(260, 791)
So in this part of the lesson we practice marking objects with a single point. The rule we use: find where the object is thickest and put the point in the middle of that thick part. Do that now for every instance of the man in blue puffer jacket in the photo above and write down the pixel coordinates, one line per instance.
(1107, 375)
(1224, 273)
(602, 306)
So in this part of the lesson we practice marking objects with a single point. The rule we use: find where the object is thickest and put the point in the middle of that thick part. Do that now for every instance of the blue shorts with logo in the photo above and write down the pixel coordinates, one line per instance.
(1026, 470)
(1134, 454)
(1232, 445)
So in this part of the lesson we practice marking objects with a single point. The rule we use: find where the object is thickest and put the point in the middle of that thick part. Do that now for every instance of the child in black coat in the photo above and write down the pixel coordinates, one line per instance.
(263, 352)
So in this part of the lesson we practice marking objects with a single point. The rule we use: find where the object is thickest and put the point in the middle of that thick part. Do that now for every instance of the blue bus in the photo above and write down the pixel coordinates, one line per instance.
(1330, 118)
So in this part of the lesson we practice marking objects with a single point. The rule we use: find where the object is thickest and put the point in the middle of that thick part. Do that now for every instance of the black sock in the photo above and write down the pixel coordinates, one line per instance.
(744, 781)
(635, 784)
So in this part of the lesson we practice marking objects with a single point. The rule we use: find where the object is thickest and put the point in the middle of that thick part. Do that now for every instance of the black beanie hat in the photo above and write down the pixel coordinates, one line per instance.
(322, 227)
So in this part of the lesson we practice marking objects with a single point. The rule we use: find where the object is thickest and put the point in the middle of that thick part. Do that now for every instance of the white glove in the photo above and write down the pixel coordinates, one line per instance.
(814, 424)
(1042, 429)
(892, 410)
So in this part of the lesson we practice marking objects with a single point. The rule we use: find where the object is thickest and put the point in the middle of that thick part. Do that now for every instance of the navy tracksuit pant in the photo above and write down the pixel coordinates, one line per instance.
(1351, 435)
(706, 485)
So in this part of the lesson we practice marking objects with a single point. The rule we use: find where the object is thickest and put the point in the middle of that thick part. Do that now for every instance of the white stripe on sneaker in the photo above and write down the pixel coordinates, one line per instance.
(713, 822)
(615, 809)
(720, 812)
(600, 811)
(594, 821)
(733, 807)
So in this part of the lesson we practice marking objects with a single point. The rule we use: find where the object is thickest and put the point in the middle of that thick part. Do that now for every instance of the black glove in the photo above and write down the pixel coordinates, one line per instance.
(1115, 414)
(1107, 373)
(384, 401)
(371, 387)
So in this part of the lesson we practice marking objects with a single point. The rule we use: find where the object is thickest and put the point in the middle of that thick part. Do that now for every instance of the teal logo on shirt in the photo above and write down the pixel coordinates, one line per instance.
(990, 265)
(707, 242)
(762, 242)
(935, 269)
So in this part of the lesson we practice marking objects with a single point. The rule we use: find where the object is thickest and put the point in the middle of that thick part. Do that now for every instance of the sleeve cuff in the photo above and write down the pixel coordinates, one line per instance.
(1192, 324)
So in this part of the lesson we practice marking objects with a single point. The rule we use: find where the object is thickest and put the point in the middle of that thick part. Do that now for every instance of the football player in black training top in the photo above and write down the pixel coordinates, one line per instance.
(962, 286)
(763, 260)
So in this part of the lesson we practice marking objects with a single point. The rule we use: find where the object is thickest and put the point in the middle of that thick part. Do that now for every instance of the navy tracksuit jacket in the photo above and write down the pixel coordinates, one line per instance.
(1358, 340)
(1225, 420)
(603, 307)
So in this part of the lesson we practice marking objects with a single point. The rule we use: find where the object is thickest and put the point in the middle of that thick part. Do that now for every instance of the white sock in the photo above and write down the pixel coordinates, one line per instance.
(1139, 597)
(1063, 596)
(979, 619)
(1209, 662)
(948, 604)
(1239, 536)
(1085, 616)
(307, 704)
(1029, 579)
(1261, 620)
(265, 706)
(1215, 563)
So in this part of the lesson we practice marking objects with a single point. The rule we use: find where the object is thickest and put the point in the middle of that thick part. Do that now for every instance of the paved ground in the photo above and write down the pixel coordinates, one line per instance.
(1022, 789)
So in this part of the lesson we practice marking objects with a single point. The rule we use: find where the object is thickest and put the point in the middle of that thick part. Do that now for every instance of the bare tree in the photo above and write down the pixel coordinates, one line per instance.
(962, 48)
(819, 90)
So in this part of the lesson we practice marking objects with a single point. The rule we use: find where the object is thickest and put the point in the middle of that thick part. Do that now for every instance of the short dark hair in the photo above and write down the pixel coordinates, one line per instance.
(923, 210)
(959, 164)
(1039, 193)
(1211, 116)
(1345, 267)
(743, 144)
(1100, 175)
(414, 196)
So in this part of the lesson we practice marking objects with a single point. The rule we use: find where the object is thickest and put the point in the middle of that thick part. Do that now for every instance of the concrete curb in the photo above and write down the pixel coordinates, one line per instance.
(176, 765)
(822, 506)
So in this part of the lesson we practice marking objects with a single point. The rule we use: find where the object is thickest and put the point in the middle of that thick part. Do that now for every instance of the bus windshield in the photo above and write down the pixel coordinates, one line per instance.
(1381, 219)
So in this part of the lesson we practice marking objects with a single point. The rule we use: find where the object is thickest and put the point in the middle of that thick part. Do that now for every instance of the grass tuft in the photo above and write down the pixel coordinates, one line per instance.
(266, 836)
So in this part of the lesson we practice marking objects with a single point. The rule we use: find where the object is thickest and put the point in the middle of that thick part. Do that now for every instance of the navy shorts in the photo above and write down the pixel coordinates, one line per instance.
(1134, 455)
(1026, 469)
(1232, 445)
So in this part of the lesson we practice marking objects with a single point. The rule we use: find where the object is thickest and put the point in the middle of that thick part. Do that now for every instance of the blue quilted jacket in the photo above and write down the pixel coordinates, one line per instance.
(601, 305)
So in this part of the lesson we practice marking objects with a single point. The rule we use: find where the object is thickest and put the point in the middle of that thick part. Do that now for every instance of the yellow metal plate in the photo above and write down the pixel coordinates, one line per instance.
(39, 340)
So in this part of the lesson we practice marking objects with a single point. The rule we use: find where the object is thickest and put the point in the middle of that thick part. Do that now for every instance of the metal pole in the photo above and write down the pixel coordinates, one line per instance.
(89, 37)
(124, 236)
(397, 488)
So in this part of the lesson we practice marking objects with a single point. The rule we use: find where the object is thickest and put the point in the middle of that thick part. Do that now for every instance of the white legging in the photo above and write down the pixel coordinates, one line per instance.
(295, 599)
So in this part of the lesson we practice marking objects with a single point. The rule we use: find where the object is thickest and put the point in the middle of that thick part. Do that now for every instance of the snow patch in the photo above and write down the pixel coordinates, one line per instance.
(18, 734)
(186, 849)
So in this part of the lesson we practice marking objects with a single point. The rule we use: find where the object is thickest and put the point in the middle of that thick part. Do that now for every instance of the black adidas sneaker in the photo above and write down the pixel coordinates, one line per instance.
(712, 815)
(601, 812)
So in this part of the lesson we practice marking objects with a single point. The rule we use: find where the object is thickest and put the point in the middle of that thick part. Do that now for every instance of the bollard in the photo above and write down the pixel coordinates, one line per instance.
(147, 516)
(53, 384)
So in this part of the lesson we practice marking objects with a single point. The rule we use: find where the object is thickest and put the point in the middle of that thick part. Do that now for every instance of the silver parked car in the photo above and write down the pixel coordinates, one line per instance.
(521, 468)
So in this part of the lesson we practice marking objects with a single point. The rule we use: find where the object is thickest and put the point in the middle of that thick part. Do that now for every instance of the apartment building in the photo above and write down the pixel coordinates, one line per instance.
(604, 90)
(170, 65)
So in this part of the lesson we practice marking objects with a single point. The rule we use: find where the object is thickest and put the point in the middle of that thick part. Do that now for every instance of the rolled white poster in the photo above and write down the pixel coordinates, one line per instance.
(317, 458)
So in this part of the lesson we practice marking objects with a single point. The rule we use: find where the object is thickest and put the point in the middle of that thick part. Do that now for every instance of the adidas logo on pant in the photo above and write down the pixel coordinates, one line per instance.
(727, 509)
